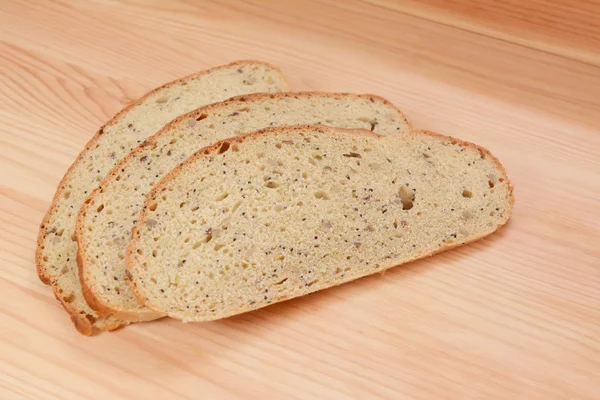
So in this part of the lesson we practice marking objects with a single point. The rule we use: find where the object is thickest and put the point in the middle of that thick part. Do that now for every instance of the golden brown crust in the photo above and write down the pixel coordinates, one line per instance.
(104, 311)
(207, 151)
(94, 301)
(82, 324)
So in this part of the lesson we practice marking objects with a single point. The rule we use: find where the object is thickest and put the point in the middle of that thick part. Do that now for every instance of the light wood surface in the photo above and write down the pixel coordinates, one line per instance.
(515, 316)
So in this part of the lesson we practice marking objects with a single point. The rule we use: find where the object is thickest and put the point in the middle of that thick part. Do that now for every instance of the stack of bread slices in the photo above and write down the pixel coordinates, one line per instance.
(224, 192)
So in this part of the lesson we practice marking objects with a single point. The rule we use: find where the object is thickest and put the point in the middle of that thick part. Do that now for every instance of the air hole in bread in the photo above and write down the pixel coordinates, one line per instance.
(201, 117)
(222, 197)
(235, 148)
(236, 205)
(467, 193)
(67, 194)
(152, 207)
(162, 99)
(224, 147)
(100, 208)
(272, 185)
(173, 141)
(407, 197)
(218, 247)
(491, 184)
(321, 195)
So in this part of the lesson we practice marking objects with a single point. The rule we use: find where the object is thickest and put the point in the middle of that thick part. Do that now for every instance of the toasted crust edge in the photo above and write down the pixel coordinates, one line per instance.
(82, 324)
(95, 301)
(207, 151)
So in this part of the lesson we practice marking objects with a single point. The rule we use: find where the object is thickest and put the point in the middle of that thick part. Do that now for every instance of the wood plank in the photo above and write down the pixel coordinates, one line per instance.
(559, 27)
(513, 316)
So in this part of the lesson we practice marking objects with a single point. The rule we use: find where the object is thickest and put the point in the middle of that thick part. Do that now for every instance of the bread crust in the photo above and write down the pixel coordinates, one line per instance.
(207, 151)
(81, 322)
(96, 302)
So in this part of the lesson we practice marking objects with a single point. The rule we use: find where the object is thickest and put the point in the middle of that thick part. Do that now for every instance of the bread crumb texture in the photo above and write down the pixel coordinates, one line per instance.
(57, 252)
(264, 218)
(106, 221)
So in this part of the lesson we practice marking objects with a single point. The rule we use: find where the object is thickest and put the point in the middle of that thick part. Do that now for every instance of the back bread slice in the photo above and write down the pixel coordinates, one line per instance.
(105, 221)
(56, 251)
(270, 216)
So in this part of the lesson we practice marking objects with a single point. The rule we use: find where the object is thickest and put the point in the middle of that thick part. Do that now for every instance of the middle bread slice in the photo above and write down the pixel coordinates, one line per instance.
(107, 217)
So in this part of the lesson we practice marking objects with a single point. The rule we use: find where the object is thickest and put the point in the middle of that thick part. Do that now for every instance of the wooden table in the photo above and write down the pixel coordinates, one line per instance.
(515, 316)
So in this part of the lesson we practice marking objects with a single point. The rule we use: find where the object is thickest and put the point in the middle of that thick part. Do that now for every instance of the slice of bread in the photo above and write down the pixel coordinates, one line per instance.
(277, 214)
(56, 251)
(105, 221)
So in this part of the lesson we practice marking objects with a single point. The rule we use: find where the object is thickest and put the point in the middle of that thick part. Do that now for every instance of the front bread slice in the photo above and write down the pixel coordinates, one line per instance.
(56, 251)
(278, 214)
(108, 215)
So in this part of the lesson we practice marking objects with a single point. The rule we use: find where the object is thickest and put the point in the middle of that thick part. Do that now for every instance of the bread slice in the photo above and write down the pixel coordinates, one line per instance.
(105, 221)
(277, 214)
(56, 251)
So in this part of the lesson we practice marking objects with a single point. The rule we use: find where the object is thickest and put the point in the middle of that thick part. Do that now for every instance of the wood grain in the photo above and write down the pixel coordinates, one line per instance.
(513, 316)
(558, 27)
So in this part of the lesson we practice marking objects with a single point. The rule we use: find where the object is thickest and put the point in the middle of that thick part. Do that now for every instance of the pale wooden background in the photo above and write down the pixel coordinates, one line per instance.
(516, 316)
